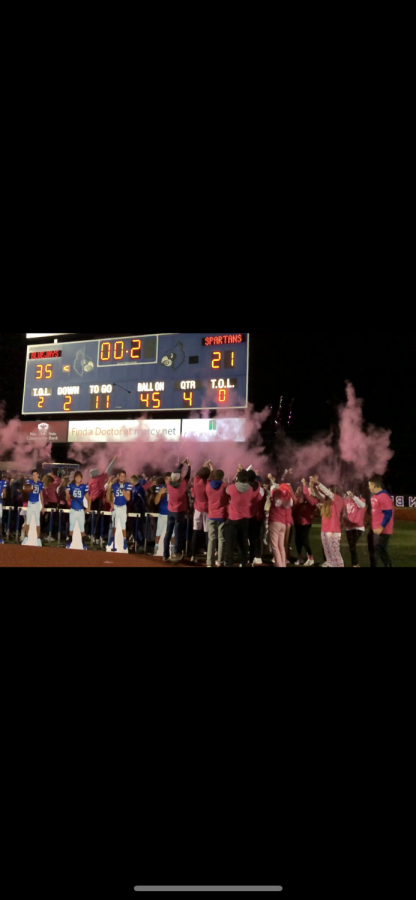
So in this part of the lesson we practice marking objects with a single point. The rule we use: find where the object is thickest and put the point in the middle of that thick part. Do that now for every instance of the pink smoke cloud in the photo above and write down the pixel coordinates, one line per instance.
(14, 451)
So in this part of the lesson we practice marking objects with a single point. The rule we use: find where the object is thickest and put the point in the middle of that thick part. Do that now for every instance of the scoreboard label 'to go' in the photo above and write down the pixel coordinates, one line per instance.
(138, 373)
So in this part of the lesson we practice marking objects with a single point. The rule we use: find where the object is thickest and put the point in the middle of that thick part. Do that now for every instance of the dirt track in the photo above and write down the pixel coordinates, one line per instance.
(15, 557)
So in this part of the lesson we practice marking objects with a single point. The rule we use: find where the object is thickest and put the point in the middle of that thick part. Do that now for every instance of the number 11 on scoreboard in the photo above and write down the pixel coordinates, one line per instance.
(100, 401)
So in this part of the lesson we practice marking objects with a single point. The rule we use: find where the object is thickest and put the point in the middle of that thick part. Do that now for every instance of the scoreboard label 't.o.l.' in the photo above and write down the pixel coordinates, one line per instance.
(156, 372)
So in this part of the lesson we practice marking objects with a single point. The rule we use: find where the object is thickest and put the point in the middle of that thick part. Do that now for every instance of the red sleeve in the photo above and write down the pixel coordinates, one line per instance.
(312, 500)
(148, 485)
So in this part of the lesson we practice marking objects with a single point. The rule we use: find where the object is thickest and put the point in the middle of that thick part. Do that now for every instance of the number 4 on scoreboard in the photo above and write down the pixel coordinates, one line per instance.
(188, 399)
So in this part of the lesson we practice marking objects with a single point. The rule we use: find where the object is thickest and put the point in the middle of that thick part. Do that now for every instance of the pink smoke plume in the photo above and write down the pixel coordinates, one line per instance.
(367, 448)
(163, 455)
(15, 452)
(361, 450)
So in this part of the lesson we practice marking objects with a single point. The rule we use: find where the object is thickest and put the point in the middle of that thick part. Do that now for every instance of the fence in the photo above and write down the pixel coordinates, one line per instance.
(143, 533)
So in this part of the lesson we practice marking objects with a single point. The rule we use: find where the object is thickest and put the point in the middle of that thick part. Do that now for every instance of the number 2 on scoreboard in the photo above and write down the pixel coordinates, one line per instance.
(67, 404)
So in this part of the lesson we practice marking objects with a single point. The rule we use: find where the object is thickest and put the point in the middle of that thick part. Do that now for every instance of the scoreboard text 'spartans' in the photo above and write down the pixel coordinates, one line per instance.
(140, 373)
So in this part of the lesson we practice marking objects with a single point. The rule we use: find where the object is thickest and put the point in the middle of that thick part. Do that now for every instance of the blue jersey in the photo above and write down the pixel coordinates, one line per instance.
(77, 493)
(163, 505)
(37, 488)
(3, 485)
(119, 500)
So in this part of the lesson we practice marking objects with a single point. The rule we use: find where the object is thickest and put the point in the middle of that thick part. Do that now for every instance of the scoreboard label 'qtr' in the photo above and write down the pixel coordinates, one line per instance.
(138, 373)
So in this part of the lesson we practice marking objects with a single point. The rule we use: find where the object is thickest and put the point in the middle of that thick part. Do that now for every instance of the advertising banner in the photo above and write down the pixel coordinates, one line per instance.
(113, 432)
(211, 430)
(51, 432)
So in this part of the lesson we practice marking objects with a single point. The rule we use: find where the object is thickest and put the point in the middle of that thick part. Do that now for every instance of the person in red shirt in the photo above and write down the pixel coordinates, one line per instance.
(354, 519)
(303, 514)
(199, 493)
(257, 519)
(331, 512)
(382, 512)
(177, 509)
(279, 504)
(218, 501)
(236, 528)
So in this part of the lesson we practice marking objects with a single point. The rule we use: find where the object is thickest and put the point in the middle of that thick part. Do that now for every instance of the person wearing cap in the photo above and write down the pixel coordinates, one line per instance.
(239, 511)
(177, 508)
(97, 491)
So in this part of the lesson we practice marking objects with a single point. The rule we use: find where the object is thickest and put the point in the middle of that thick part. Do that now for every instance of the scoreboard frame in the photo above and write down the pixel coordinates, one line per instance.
(135, 411)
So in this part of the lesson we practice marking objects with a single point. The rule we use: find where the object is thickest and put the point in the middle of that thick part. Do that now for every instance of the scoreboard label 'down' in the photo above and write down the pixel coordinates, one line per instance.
(138, 373)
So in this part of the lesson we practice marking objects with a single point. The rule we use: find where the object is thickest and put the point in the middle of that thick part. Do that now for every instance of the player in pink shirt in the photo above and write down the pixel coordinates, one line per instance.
(199, 493)
(257, 517)
(331, 512)
(177, 509)
(382, 512)
(218, 501)
(237, 525)
(354, 519)
(303, 514)
(280, 502)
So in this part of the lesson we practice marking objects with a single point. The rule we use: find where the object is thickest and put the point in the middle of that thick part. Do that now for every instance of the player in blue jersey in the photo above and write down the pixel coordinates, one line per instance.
(33, 489)
(76, 493)
(119, 495)
(161, 501)
(3, 488)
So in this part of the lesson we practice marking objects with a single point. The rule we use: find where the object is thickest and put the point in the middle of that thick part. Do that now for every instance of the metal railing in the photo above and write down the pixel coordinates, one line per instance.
(60, 515)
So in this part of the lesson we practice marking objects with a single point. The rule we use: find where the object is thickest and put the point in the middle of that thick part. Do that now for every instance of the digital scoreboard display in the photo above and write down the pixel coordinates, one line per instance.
(140, 373)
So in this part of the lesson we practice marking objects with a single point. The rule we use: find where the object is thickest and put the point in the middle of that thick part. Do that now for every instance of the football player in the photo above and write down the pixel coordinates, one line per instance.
(33, 488)
(118, 496)
(75, 496)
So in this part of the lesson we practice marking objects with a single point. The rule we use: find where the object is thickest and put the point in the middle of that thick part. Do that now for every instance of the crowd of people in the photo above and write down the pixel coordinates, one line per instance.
(246, 515)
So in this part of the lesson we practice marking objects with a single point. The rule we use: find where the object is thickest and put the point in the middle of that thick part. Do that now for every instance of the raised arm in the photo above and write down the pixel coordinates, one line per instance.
(357, 501)
(110, 490)
(321, 489)
(111, 465)
(186, 462)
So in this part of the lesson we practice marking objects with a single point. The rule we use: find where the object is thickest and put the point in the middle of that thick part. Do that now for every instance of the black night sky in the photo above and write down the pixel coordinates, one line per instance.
(310, 371)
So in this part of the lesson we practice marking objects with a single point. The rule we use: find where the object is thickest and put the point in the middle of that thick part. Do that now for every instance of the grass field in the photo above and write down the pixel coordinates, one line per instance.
(402, 547)
(402, 550)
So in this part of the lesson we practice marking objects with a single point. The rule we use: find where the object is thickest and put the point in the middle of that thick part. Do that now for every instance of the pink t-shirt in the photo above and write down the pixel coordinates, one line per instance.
(258, 502)
(97, 486)
(379, 504)
(304, 510)
(354, 516)
(278, 508)
(178, 500)
(239, 503)
(333, 524)
(50, 493)
(200, 494)
(218, 501)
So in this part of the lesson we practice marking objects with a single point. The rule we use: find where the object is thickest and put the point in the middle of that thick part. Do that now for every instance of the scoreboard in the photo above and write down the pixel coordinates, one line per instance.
(139, 373)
